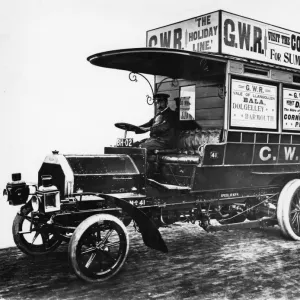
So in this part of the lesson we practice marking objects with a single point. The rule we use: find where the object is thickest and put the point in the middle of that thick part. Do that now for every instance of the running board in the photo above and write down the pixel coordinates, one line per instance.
(261, 223)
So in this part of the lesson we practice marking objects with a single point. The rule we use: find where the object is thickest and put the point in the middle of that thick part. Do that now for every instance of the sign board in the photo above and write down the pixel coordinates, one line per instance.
(253, 105)
(187, 102)
(226, 33)
(291, 109)
(199, 34)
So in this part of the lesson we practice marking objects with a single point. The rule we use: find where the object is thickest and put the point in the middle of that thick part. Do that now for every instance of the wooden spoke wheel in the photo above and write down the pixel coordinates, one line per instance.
(39, 240)
(98, 247)
(288, 210)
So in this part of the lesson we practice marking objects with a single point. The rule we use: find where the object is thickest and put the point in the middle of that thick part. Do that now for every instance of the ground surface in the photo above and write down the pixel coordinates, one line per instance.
(243, 264)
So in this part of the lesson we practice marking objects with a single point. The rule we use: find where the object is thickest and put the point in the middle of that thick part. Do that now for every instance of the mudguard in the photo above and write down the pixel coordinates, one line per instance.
(24, 207)
(151, 236)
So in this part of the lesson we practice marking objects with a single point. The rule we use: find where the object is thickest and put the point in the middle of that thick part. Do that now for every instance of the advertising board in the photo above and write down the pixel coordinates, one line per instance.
(247, 38)
(291, 109)
(253, 105)
(198, 34)
(187, 103)
(226, 33)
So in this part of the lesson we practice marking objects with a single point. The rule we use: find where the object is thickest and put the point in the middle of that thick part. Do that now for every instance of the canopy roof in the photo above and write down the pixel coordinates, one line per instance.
(160, 61)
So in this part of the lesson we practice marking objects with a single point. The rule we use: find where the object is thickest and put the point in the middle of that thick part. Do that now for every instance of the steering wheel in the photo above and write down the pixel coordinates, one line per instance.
(126, 126)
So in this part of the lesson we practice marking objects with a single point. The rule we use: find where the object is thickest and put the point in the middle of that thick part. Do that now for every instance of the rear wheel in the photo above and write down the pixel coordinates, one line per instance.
(98, 248)
(39, 240)
(288, 210)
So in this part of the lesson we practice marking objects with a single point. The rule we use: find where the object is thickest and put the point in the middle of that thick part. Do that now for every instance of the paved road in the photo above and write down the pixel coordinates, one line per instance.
(243, 264)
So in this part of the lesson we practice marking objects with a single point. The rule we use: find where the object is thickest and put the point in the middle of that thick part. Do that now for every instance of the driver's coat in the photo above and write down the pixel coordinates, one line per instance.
(162, 130)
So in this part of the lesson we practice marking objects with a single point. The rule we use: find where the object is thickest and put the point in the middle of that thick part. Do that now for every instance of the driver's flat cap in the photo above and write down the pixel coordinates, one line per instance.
(161, 97)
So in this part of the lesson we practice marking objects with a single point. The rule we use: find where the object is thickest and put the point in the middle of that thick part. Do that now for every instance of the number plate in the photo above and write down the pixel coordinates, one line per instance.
(137, 202)
(124, 142)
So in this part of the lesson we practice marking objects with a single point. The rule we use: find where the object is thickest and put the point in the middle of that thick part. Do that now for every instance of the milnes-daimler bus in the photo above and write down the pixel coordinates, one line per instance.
(238, 83)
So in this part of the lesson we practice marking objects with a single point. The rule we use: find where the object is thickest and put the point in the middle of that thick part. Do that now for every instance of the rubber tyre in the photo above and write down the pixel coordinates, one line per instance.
(79, 235)
(285, 200)
(23, 244)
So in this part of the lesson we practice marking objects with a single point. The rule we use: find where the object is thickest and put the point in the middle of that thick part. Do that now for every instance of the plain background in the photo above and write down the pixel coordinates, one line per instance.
(52, 98)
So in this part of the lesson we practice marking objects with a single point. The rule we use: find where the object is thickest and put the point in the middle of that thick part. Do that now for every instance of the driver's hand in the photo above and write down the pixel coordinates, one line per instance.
(141, 130)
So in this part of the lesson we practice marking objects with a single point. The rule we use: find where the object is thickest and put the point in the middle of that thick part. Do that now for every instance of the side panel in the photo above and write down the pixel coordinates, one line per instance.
(262, 154)
(175, 174)
(231, 177)
(104, 173)
(106, 183)
(138, 155)
(101, 164)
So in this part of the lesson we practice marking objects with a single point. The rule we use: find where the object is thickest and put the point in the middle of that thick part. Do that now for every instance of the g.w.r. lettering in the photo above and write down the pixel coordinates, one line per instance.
(165, 39)
(238, 35)
(288, 154)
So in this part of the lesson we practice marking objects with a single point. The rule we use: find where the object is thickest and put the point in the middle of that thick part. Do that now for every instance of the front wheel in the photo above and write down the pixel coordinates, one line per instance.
(32, 236)
(98, 248)
(288, 210)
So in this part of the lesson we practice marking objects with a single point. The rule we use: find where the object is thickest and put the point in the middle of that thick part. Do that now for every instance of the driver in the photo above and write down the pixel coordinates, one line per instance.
(161, 127)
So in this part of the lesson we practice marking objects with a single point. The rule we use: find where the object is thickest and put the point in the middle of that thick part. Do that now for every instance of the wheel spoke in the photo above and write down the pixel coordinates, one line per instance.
(296, 222)
(45, 239)
(35, 236)
(33, 230)
(294, 218)
(98, 234)
(91, 249)
(112, 244)
(92, 257)
(106, 237)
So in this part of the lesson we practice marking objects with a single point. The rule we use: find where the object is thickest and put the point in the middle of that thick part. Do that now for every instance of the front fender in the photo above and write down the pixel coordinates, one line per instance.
(151, 235)
(24, 208)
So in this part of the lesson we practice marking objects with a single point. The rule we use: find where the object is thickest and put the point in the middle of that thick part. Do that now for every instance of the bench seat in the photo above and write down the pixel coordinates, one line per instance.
(188, 150)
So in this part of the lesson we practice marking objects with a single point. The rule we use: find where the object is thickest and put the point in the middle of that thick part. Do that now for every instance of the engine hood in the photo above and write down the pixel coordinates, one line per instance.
(107, 173)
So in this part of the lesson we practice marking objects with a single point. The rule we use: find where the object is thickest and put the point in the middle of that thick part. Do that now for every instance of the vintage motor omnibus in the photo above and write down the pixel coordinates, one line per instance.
(238, 80)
